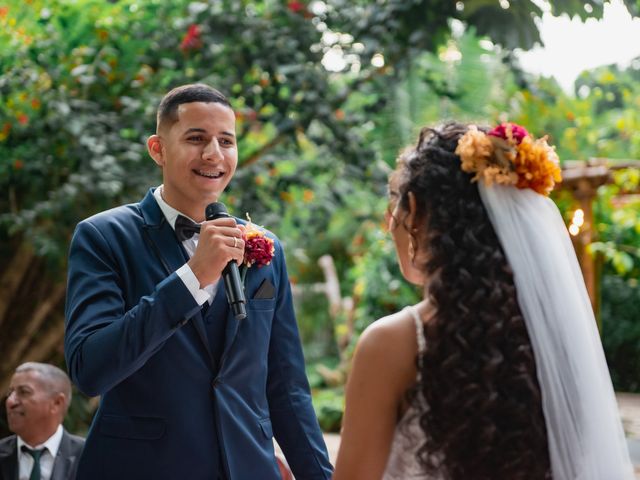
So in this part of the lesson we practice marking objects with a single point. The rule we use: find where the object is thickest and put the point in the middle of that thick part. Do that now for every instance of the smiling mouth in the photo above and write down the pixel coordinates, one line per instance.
(213, 175)
(13, 414)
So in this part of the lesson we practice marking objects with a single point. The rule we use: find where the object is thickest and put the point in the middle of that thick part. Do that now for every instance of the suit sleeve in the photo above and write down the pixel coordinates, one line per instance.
(104, 343)
(294, 421)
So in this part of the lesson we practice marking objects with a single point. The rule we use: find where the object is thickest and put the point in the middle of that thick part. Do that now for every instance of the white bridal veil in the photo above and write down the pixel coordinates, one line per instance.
(586, 440)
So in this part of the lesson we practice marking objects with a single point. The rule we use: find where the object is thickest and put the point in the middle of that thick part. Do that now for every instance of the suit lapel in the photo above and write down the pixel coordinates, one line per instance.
(163, 241)
(64, 459)
(202, 335)
(231, 329)
(219, 305)
(160, 236)
(9, 458)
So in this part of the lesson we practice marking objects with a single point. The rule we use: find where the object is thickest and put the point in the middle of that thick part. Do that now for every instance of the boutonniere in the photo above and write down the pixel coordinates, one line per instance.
(258, 248)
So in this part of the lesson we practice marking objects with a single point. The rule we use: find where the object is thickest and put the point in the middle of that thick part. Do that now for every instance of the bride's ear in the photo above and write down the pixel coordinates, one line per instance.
(411, 215)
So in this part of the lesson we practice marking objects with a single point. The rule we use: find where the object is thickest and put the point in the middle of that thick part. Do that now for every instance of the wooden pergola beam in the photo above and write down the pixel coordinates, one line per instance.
(582, 179)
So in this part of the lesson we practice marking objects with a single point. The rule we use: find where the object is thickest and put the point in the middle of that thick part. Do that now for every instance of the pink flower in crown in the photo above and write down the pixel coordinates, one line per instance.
(508, 131)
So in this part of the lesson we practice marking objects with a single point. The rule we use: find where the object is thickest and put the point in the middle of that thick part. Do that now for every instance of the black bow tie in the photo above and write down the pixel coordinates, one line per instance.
(185, 228)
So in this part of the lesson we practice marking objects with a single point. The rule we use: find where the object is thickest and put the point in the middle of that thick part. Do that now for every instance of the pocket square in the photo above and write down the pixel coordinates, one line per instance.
(265, 290)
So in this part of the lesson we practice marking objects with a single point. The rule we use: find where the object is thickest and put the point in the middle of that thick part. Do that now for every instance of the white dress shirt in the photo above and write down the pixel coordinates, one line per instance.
(25, 460)
(185, 273)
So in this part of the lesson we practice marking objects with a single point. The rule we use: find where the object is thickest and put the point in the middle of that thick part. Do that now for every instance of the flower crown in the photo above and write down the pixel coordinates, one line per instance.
(509, 155)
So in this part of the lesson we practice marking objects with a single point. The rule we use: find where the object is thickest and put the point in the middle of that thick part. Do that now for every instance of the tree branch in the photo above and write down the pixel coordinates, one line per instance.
(41, 351)
(255, 155)
(48, 343)
(34, 323)
(13, 276)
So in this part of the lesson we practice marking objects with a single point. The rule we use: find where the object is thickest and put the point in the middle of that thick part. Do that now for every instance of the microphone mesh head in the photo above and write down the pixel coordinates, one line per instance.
(215, 210)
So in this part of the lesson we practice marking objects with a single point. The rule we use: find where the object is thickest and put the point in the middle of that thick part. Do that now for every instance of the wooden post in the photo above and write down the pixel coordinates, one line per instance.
(582, 179)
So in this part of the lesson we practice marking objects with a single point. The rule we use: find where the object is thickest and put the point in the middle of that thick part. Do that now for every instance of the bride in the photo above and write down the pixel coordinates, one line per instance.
(499, 372)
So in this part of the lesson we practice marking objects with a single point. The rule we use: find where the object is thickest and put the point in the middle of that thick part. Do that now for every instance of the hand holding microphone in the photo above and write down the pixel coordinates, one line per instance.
(220, 249)
(231, 273)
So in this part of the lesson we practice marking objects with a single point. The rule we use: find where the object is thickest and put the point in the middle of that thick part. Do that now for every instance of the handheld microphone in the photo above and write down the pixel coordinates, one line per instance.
(231, 274)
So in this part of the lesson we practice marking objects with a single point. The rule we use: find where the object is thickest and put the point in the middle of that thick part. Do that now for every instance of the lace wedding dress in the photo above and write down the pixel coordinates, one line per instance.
(403, 463)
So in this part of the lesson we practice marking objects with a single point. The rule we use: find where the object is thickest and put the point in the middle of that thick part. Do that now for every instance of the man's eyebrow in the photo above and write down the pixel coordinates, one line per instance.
(202, 130)
(194, 130)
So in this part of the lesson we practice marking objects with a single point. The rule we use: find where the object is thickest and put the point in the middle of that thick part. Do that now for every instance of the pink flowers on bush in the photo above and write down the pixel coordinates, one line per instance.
(191, 40)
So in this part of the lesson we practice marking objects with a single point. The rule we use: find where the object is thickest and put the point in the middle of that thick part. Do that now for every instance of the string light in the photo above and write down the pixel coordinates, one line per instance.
(576, 222)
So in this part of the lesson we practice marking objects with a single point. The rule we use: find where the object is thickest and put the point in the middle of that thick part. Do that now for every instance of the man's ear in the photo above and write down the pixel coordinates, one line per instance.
(59, 402)
(154, 147)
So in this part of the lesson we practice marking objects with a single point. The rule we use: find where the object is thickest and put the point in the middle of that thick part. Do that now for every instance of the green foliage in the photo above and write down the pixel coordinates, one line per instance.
(457, 81)
(72, 106)
(614, 98)
(602, 121)
(484, 13)
(378, 286)
(81, 80)
(80, 414)
(329, 406)
(621, 331)
(618, 225)
(78, 97)
(398, 30)
(515, 26)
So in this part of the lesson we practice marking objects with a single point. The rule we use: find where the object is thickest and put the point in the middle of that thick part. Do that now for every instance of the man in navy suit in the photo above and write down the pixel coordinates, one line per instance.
(187, 390)
(37, 402)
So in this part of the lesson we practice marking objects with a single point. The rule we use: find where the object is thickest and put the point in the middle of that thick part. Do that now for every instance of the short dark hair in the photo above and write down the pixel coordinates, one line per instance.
(194, 92)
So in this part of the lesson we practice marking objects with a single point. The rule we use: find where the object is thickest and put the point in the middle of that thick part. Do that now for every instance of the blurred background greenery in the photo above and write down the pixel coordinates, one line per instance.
(326, 93)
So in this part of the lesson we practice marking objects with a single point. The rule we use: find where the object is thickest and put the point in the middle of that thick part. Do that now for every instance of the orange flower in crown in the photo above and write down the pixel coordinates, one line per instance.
(509, 155)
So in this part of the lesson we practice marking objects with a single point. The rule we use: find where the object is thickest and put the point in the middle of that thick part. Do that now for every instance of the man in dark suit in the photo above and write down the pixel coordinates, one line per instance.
(39, 396)
(187, 390)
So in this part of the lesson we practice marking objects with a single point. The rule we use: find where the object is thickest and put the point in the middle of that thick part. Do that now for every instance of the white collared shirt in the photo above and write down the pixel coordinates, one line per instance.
(25, 460)
(185, 273)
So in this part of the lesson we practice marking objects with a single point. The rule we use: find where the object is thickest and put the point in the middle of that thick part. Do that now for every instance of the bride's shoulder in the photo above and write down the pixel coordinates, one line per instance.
(395, 324)
(390, 340)
(400, 325)
(384, 359)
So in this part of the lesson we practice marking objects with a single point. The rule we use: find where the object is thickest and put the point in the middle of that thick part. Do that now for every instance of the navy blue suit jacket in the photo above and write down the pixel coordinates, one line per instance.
(169, 408)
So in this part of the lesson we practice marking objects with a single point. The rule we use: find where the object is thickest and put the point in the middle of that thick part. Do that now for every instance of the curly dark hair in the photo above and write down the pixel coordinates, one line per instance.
(484, 416)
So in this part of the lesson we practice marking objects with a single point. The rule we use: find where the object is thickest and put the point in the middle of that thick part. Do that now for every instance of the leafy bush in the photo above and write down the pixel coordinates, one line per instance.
(329, 406)
(621, 331)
